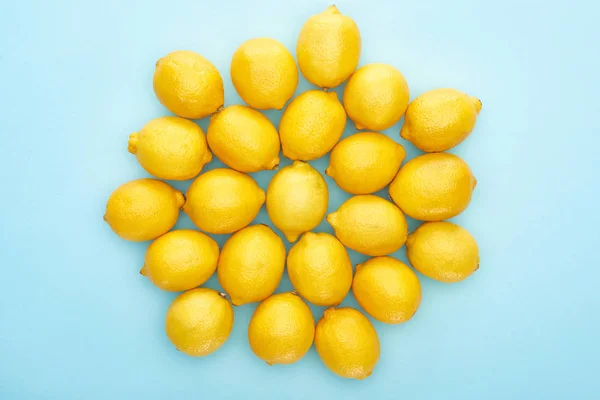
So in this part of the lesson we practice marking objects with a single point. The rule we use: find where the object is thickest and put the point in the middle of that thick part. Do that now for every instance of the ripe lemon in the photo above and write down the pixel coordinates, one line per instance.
(251, 264)
(188, 84)
(443, 251)
(440, 119)
(297, 199)
(264, 73)
(433, 187)
(376, 97)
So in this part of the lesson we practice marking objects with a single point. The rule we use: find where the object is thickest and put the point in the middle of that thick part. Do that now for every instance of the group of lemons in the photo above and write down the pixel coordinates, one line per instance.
(432, 187)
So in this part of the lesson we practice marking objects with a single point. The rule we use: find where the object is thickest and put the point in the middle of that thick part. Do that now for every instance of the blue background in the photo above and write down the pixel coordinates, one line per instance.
(78, 321)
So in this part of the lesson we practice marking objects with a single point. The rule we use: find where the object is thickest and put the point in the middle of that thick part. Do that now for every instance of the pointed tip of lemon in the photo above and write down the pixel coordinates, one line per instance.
(133, 142)
(291, 237)
(274, 164)
(404, 132)
(333, 95)
(329, 171)
(180, 199)
(478, 104)
(332, 219)
(298, 163)
(262, 196)
(332, 9)
(143, 271)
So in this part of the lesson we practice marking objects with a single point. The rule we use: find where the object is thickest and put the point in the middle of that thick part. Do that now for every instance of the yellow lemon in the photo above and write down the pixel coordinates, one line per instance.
(297, 199)
(244, 139)
(282, 329)
(365, 162)
(347, 343)
(223, 201)
(170, 148)
(264, 73)
(311, 125)
(143, 209)
(199, 321)
(440, 119)
(433, 187)
(376, 97)
(387, 289)
(443, 251)
(328, 48)
(181, 260)
(320, 269)
(251, 264)
(370, 225)
(188, 84)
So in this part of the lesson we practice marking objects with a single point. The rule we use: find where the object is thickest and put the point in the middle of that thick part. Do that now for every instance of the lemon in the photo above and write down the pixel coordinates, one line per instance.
(143, 209)
(170, 148)
(443, 251)
(328, 48)
(433, 187)
(376, 96)
(297, 199)
(320, 269)
(188, 84)
(264, 73)
(244, 139)
(440, 119)
(199, 321)
(282, 329)
(181, 260)
(223, 201)
(311, 125)
(387, 289)
(369, 225)
(365, 162)
(251, 264)
(347, 343)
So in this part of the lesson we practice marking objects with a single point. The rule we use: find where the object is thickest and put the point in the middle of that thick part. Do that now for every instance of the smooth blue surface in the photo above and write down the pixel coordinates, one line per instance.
(77, 321)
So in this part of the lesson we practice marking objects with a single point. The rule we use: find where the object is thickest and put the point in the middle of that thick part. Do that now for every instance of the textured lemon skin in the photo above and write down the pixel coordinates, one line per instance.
(443, 251)
(328, 48)
(365, 162)
(170, 148)
(143, 209)
(188, 85)
(347, 343)
(440, 119)
(223, 201)
(282, 329)
(433, 187)
(264, 73)
(181, 260)
(199, 321)
(387, 289)
(376, 96)
(244, 139)
(370, 225)
(297, 199)
(311, 125)
(320, 269)
(251, 264)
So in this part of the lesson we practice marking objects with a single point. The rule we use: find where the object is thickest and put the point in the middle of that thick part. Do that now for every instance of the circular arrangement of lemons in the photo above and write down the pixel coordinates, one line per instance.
(432, 187)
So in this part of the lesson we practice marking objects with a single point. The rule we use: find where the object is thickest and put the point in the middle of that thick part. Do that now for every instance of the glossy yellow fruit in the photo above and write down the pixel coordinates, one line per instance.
(282, 329)
(199, 321)
(170, 148)
(347, 343)
(387, 289)
(244, 139)
(251, 264)
(297, 199)
(443, 251)
(264, 73)
(376, 96)
(143, 209)
(433, 187)
(181, 260)
(365, 162)
(311, 125)
(188, 84)
(320, 269)
(370, 225)
(223, 201)
(440, 119)
(328, 48)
